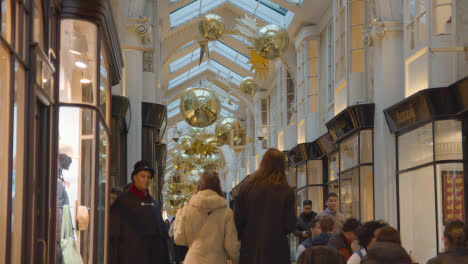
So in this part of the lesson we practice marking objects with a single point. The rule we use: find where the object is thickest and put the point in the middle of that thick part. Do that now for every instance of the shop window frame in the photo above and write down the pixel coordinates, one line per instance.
(433, 163)
(358, 167)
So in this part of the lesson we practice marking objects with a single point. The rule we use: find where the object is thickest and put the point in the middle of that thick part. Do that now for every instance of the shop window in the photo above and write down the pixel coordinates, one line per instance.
(301, 197)
(419, 153)
(366, 146)
(367, 194)
(417, 213)
(264, 111)
(6, 18)
(78, 62)
(450, 196)
(315, 194)
(314, 172)
(292, 176)
(442, 17)
(349, 153)
(76, 163)
(301, 176)
(333, 167)
(313, 76)
(448, 140)
(17, 178)
(415, 148)
(349, 193)
(104, 83)
(4, 134)
(102, 186)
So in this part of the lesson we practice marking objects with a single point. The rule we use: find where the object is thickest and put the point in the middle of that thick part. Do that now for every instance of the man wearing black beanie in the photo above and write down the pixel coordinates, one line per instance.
(137, 231)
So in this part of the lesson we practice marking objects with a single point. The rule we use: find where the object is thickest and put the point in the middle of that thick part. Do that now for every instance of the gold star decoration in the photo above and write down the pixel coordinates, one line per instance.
(259, 64)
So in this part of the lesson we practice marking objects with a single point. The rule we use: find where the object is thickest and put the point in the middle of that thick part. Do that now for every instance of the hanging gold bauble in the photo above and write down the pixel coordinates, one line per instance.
(225, 125)
(187, 145)
(271, 41)
(200, 107)
(211, 27)
(248, 85)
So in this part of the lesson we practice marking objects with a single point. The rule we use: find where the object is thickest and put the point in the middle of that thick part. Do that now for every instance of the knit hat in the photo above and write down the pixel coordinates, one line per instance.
(141, 166)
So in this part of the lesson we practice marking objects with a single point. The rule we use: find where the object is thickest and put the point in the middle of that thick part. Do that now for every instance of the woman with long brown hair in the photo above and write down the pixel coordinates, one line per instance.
(207, 226)
(265, 213)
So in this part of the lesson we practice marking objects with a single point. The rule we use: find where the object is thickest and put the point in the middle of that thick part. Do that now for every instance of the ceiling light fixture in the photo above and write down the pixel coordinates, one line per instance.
(84, 79)
(81, 65)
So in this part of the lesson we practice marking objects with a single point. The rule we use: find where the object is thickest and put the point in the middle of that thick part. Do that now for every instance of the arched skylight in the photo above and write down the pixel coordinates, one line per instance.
(264, 10)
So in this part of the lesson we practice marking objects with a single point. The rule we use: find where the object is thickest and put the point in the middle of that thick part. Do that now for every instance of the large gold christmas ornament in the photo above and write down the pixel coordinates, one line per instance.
(225, 125)
(211, 27)
(248, 85)
(271, 41)
(200, 107)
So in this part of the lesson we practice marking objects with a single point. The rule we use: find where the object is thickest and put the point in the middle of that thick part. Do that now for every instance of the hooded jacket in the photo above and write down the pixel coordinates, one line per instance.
(302, 225)
(453, 255)
(207, 226)
(386, 253)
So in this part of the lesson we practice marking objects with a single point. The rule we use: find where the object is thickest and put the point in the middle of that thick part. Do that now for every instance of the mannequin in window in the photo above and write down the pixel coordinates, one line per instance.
(64, 162)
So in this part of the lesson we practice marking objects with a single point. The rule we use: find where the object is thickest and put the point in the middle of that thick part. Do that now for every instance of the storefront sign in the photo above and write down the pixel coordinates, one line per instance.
(352, 118)
(454, 196)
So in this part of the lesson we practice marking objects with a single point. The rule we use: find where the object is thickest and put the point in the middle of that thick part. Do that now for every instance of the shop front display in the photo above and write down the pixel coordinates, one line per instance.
(431, 164)
(350, 168)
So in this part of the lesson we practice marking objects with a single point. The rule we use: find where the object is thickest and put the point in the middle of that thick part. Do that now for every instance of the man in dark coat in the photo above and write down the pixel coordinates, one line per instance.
(303, 221)
(137, 231)
(386, 253)
(264, 216)
(455, 243)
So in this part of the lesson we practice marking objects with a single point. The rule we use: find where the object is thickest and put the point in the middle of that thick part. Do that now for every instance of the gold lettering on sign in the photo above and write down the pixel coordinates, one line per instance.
(405, 115)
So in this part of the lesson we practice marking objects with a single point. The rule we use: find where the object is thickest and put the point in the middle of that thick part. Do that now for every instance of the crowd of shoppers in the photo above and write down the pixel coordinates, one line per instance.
(257, 231)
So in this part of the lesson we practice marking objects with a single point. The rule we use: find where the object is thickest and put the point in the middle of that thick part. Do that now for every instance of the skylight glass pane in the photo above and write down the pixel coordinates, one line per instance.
(233, 106)
(226, 72)
(298, 2)
(191, 11)
(185, 60)
(225, 113)
(188, 74)
(234, 98)
(171, 106)
(173, 113)
(266, 11)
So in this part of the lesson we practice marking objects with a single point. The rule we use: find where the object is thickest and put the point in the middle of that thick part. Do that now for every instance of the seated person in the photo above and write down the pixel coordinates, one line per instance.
(321, 255)
(367, 235)
(343, 240)
(455, 245)
(326, 225)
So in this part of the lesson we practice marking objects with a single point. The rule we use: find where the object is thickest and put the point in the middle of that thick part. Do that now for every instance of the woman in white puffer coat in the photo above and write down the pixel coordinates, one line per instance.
(207, 226)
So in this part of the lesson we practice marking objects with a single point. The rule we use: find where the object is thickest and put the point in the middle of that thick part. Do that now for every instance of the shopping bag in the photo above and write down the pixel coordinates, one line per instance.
(70, 254)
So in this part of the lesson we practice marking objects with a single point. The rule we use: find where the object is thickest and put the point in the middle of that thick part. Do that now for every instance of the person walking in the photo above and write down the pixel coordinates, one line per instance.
(137, 231)
(265, 213)
(332, 210)
(207, 226)
(303, 221)
(455, 245)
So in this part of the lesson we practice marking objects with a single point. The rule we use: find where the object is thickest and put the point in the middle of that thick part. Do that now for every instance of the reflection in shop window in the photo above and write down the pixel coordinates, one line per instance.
(349, 153)
(314, 172)
(102, 189)
(104, 82)
(76, 174)
(4, 134)
(367, 194)
(333, 168)
(442, 17)
(78, 55)
(448, 140)
(6, 19)
(315, 194)
(17, 178)
(349, 198)
(301, 176)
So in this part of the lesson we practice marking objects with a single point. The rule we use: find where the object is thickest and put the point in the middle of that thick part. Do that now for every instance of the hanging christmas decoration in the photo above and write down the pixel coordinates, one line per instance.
(211, 26)
(248, 85)
(271, 41)
(200, 107)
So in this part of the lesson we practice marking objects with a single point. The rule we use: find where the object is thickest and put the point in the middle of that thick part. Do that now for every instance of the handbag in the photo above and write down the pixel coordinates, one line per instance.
(70, 254)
